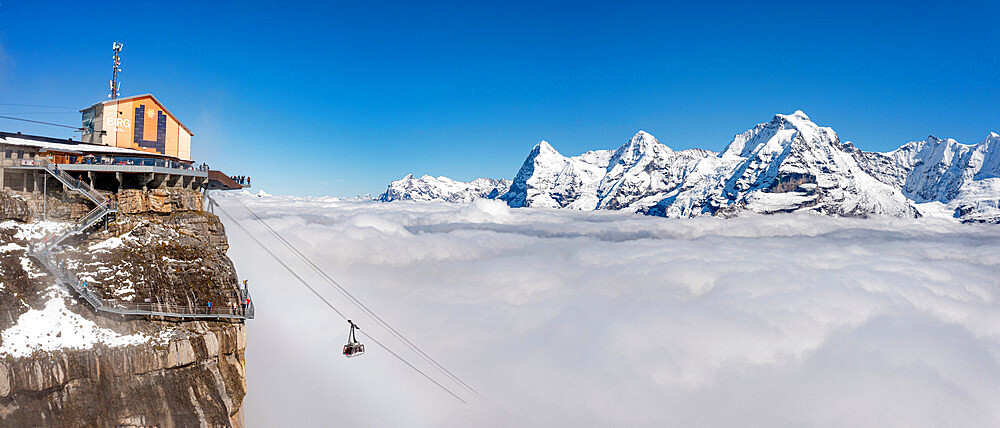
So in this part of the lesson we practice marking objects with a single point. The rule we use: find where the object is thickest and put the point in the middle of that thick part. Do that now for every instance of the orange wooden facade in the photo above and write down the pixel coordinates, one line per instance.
(141, 123)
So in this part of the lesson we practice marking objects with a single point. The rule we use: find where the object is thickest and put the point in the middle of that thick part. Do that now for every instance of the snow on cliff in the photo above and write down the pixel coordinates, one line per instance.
(55, 327)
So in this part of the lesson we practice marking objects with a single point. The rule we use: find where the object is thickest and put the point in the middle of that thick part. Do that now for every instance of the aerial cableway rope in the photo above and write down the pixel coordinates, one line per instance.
(330, 305)
(38, 121)
(355, 300)
(37, 105)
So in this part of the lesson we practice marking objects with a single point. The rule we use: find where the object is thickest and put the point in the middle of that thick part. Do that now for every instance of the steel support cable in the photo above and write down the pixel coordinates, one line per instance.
(330, 305)
(33, 112)
(356, 301)
(38, 121)
(36, 105)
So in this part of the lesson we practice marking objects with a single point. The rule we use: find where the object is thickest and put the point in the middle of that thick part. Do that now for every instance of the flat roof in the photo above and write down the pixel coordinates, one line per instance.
(71, 146)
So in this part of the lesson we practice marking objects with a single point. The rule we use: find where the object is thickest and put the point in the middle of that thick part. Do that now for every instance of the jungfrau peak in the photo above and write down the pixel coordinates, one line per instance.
(792, 164)
(961, 177)
(788, 164)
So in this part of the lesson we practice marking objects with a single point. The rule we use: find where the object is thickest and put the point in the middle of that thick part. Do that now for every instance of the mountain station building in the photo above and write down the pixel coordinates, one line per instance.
(126, 143)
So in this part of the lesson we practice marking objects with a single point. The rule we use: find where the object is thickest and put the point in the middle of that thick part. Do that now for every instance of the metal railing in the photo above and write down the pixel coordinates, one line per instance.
(241, 310)
(94, 216)
(72, 182)
(136, 161)
(42, 252)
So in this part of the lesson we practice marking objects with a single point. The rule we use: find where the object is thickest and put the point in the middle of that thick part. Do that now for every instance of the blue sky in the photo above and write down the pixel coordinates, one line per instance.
(340, 98)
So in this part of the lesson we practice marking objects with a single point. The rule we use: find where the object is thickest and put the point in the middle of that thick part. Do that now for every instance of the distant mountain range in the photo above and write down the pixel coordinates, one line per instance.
(428, 188)
(788, 164)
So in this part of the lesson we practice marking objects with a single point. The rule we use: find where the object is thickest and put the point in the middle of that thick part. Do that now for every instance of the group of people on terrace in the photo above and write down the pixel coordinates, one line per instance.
(242, 180)
(91, 159)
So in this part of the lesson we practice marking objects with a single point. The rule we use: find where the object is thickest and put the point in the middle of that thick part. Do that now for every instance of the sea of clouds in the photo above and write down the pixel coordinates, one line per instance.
(568, 318)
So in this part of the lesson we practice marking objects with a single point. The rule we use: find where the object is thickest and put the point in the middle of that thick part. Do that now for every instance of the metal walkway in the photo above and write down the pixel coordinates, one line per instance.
(72, 183)
(69, 279)
(43, 253)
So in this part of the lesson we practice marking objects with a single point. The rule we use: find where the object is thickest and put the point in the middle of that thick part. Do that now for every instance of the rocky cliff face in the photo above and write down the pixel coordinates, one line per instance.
(196, 378)
(13, 207)
(159, 201)
(63, 364)
(59, 206)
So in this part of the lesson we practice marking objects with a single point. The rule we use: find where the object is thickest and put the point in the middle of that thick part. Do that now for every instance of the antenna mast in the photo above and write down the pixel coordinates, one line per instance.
(115, 84)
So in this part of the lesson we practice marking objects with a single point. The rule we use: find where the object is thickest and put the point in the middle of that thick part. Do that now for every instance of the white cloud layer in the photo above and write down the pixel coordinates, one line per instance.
(570, 318)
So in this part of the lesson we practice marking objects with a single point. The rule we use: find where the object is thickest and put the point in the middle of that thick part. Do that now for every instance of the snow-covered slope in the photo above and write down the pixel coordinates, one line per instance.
(791, 164)
(549, 179)
(786, 164)
(643, 171)
(429, 188)
(960, 176)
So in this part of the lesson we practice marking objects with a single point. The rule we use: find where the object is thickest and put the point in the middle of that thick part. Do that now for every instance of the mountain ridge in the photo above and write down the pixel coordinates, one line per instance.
(788, 164)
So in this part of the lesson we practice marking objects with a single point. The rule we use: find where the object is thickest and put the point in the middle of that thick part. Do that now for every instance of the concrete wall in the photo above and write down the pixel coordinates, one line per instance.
(22, 180)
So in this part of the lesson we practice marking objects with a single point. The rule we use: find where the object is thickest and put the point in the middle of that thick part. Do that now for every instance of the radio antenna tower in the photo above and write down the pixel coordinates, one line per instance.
(115, 84)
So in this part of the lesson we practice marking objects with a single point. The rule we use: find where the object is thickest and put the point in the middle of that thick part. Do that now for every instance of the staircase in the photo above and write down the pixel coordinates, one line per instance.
(73, 183)
(94, 216)
(43, 253)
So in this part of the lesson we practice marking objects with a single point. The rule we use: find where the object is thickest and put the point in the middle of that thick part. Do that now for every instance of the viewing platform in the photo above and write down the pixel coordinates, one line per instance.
(131, 165)
(104, 168)
(219, 181)
(126, 144)
(43, 252)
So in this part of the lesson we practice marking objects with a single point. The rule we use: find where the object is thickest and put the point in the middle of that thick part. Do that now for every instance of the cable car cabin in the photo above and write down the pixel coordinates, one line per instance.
(353, 348)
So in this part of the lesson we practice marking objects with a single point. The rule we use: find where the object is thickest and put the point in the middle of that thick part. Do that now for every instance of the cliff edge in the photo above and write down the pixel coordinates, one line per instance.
(62, 363)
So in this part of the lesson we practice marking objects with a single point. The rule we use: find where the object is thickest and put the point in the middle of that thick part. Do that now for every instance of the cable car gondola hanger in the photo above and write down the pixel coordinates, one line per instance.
(353, 348)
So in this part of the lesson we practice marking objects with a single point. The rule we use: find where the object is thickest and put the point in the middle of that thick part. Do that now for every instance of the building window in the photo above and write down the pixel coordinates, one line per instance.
(20, 154)
(8, 153)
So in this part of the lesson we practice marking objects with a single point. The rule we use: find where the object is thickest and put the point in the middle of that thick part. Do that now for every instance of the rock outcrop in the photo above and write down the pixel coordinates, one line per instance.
(75, 368)
(160, 201)
(14, 208)
(196, 379)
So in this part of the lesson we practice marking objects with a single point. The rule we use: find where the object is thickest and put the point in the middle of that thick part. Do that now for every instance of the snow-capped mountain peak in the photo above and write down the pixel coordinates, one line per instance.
(988, 154)
(786, 164)
(543, 147)
(635, 148)
(428, 188)
(642, 139)
(800, 115)
(779, 134)
(790, 163)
